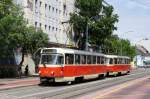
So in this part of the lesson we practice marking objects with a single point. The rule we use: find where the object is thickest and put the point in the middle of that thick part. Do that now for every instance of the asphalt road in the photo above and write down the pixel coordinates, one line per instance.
(69, 91)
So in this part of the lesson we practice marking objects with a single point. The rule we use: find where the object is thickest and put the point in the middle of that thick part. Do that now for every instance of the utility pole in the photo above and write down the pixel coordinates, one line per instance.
(87, 36)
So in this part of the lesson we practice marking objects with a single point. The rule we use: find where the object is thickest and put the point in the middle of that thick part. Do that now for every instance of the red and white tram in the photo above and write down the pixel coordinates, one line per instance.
(66, 65)
(117, 65)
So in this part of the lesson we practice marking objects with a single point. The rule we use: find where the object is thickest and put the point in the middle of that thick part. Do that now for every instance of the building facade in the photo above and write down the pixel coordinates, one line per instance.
(142, 56)
(49, 15)
(52, 17)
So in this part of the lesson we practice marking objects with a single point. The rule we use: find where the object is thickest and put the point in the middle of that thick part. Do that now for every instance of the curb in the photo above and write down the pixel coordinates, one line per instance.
(17, 84)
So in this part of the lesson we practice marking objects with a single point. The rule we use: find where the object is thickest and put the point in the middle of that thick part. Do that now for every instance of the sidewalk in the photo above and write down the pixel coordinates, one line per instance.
(18, 82)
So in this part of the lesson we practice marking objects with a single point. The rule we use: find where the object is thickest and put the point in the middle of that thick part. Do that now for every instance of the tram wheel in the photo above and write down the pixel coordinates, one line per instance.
(78, 79)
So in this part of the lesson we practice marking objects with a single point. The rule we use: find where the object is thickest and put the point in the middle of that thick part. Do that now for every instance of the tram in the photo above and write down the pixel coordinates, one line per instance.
(67, 65)
(64, 65)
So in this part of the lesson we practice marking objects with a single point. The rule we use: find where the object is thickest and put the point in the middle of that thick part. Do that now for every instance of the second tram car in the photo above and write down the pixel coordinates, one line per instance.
(117, 65)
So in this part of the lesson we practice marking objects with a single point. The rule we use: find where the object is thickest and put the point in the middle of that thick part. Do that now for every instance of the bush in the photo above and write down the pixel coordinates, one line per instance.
(8, 71)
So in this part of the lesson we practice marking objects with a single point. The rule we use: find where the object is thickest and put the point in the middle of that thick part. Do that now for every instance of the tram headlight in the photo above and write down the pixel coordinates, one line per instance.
(52, 73)
(39, 72)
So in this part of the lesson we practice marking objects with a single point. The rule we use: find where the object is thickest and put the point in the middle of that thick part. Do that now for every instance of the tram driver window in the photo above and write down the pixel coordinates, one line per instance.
(60, 60)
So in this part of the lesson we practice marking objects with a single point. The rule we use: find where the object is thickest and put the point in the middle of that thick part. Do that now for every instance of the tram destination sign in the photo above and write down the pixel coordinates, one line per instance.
(49, 51)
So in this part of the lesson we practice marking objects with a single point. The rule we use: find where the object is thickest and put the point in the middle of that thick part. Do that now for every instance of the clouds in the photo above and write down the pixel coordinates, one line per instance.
(134, 15)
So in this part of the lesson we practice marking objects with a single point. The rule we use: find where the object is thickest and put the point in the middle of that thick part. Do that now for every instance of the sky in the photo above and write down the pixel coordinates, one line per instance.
(134, 20)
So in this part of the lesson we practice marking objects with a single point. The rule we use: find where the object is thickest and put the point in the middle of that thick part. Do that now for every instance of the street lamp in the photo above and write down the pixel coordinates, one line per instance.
(87, 29)
(143, 39)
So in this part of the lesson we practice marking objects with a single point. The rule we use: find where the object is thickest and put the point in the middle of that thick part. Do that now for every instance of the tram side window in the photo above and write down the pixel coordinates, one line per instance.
(94, 59)
(111, 61)
(98, 60)
(69, 58)
(128, 61)
(102, 60)
(83, 59)
(89, 61)
(123, 61)
(77, 59)
(115, 61)
(118, 61)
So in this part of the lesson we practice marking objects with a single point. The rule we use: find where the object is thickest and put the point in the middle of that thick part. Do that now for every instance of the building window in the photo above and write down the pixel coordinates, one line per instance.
(45, 6)
(53, 29)
(40, 25)
(56, 10)
(53, 9)
(59, 11)
(35, 24)
(49, 7)
(45, 9)
(49, 28)
(45, 27)
(40, 3)
(36, 2)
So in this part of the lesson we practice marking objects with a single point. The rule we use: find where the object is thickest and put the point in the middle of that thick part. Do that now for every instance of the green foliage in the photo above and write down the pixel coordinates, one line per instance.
(99, 29)
(89, 8)
(8, 71)
(116, 46)
(14, 31)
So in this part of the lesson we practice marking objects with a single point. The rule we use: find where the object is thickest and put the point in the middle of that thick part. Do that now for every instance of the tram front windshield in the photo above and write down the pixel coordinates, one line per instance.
(52, 59)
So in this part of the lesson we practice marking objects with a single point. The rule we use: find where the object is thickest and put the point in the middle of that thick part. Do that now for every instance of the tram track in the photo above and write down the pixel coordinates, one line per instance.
(71, 91)
(69, 94)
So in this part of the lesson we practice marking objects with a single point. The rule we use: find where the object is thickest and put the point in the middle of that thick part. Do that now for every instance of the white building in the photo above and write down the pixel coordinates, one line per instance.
(49, 15)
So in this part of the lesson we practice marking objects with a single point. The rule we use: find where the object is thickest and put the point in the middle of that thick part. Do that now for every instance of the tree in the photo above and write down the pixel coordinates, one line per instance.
(99, 29)
(117, 46)
(14, 32)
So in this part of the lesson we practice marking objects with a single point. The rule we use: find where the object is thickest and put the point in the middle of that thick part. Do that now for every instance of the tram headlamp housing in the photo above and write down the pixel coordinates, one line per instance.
(52, 73)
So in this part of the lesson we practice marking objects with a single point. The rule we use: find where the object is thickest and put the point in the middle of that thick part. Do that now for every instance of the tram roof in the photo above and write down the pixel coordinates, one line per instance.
(116, 56)
(71, 51)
